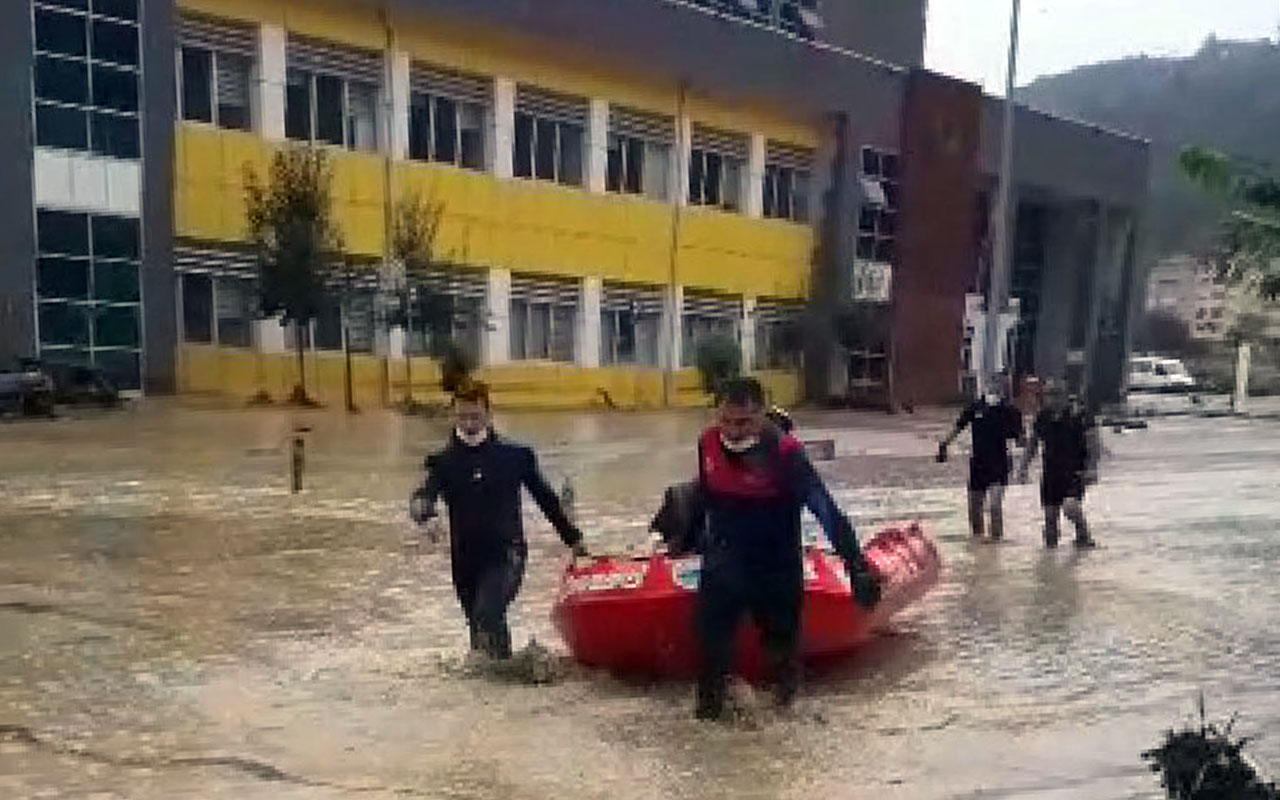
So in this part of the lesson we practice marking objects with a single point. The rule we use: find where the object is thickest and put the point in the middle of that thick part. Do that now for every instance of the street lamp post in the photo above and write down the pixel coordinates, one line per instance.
(998, 283)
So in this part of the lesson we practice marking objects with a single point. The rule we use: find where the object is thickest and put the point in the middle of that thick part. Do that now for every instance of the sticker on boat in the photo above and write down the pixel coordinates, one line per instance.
(685, 573)
(608, 581)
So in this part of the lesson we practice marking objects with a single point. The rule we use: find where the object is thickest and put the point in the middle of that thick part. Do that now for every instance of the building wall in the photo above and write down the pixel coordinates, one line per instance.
(890, 30)
(940, 130)
(17, 227)
(158, 289)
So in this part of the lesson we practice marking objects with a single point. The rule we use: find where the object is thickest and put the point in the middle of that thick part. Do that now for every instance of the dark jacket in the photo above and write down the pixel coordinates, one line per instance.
(481, 486)
(752, 503)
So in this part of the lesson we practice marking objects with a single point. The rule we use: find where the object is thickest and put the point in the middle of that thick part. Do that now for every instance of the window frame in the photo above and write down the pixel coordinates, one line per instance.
(697, 189)
(460, 105)
(536, 121)
(313, 110)
(215, 110)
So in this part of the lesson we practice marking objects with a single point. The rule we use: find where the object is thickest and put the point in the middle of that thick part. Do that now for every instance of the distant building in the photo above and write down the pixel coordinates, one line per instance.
(1187, 288)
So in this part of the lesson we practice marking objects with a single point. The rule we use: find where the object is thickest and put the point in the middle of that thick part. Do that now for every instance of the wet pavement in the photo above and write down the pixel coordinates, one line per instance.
(173, 623)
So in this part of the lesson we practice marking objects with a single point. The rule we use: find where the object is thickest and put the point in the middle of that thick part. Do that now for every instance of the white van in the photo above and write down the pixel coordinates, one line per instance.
(1159, 374)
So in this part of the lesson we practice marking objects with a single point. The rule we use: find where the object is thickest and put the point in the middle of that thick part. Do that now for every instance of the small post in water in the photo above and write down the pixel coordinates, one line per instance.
(297, 461)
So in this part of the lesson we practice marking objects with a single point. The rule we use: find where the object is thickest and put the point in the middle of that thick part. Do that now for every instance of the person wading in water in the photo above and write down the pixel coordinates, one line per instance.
(994, 420)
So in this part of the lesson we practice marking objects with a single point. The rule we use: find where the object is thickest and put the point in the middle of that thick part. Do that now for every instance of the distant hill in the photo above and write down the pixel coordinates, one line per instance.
(1226, 96)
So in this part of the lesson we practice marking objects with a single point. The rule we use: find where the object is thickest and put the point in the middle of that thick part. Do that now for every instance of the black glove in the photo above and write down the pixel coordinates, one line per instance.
(419, 511)
(864, 583)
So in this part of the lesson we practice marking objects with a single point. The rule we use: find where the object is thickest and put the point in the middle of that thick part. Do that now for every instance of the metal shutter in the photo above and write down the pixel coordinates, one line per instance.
(712, 306)
(772, 311)
(634, 298)
(445, 82)
(789, 155)
(644, 125)
(546, 104)
(552, 291)
(317, 55)
(194, 257)
(455, 282)
(715, 140)
(216, 34)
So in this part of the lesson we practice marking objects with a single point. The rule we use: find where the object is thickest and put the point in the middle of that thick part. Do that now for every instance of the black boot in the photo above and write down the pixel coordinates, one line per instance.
(788, 683)
(711, 696)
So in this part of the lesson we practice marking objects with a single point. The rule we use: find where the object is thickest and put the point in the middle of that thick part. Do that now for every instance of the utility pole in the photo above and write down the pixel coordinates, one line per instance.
(681, 160)
(998, 280)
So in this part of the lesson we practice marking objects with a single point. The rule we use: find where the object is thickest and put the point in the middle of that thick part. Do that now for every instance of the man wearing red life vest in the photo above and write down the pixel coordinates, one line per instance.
(754, 481)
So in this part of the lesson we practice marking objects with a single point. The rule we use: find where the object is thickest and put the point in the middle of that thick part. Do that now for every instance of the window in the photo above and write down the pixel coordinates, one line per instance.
(88, 290)
(716, 162)
(543, 319)
(331, 94)
(1216, 313)
(215, 87)
(779, 339)
(197, 307)
(86, 77)
(447, 117)
(786, 181)
(878, 217)
(630, 322)
(639, 153)
(706, 315)
(234, 306)
(549, 136)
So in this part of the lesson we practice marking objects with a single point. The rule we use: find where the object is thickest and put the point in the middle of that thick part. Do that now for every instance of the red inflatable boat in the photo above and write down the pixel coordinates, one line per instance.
(635, 615)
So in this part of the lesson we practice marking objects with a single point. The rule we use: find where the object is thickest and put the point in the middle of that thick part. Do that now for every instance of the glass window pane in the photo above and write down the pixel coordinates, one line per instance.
(115, 89)
(785, 189)
(446, 130)
(120, 367)
(800, 203)
(233, 91)
(523, 157)
(115, 281)
(329, 110)
(732, 184)
(570, 154)
(635, 166)
(63, 277)
(563, 320)
(539, 343)
(471, 135)
(115, 136)
(647, 327)
(518, 323)
(62, 80)
(613, 165)
(115, 42)
(697, 177)
(362, 123)
(657, 170)
(712, 181)
(120, 9)
(297, 105)
(62, 127)
(235, 312)
(116, 326)
(64, 323)
(420, 127)
(79, 5)
(63, 232)
(196, 85)
(61, 33)
(197, 308)
(115, 237)
(770, 191)
(545, 150)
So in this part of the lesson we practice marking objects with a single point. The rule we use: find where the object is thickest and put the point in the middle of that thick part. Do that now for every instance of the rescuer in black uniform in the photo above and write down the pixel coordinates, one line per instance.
(994, 420)
(1069, 434)
(479, 475)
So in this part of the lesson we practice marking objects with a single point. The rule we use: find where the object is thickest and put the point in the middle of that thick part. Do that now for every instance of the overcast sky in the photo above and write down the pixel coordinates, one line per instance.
(969, 38)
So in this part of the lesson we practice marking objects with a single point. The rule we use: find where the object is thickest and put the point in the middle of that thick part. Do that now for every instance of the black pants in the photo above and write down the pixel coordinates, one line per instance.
(486, 585)
(773, 596)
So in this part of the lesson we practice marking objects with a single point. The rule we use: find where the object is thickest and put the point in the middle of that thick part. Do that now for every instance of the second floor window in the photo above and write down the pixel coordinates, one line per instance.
(716, 166)
(447, 112)
(639, 153)
(549, 136)
(331, 95)
(215, 68)
(786, 182)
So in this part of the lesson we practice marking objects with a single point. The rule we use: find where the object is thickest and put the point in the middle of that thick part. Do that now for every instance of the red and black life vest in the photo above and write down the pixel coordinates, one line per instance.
(759, 477)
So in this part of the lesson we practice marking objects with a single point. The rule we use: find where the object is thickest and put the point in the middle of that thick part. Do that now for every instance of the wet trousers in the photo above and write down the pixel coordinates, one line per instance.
(486, 587)
(773, 596)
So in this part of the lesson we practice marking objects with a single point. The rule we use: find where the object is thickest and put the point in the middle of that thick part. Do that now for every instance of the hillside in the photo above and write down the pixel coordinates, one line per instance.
(1225, 96)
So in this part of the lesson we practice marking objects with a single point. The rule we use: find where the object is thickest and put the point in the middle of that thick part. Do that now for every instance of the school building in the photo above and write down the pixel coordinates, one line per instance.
(616, 181)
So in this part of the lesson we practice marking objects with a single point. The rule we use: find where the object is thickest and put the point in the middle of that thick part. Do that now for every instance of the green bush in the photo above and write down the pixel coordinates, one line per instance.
(719, 358)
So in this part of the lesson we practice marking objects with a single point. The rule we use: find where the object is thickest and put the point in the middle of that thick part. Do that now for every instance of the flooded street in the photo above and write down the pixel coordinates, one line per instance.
(174, 623)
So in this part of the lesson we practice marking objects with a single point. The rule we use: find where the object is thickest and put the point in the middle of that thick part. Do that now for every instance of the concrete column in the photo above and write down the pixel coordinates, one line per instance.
(397, 104)
(396, 342)
(679, 182)
(747, 334)
(269, 336)
(597, 145)
(269, 97)
(753, 178)
(670, 354)
(497, 335)
(587, 341)
(502, 123)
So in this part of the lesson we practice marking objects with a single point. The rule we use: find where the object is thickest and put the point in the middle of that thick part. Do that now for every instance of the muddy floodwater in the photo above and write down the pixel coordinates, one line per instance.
(175, 624)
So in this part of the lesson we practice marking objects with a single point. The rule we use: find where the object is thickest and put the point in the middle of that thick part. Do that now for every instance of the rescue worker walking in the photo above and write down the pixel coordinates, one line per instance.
(994, 420)
(1069, 434)
(753, 481)
(479, 475)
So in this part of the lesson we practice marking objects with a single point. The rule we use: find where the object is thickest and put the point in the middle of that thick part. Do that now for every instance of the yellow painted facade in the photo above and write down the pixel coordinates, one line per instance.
(521, 225)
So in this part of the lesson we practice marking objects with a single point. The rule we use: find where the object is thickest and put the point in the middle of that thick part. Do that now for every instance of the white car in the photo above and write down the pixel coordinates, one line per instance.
(1158, 374)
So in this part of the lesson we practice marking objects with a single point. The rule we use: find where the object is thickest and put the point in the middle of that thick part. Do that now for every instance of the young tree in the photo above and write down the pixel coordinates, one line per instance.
(296, 240)
(719, 359)
(413, 244)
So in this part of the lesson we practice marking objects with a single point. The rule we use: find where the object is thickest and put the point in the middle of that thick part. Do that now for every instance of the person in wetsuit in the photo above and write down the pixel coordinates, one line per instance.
(1069, 435)
(994, 420)
(753, 481)
(479, 474)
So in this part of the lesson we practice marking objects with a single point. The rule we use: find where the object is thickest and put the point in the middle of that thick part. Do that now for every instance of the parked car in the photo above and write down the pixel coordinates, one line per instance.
(26, 390)
(79, 384)
(1159, 374)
